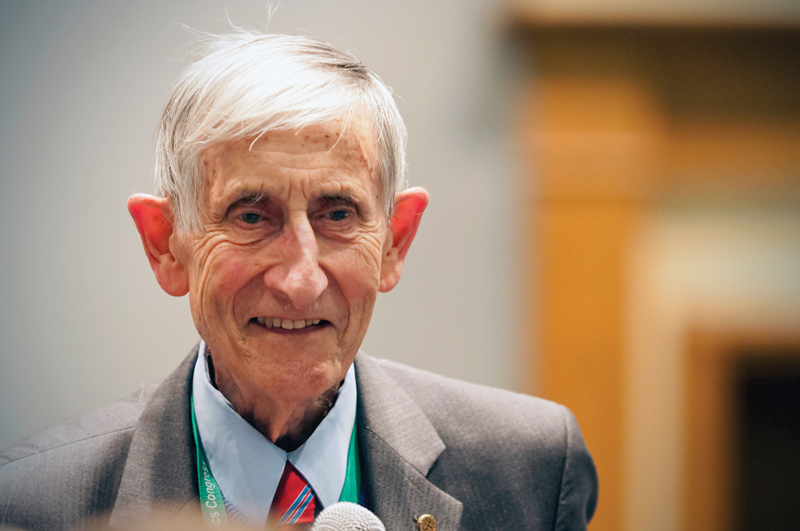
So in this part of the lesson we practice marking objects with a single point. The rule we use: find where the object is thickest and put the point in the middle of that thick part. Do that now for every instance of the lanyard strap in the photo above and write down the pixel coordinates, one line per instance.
(352, 478)
(212, 503)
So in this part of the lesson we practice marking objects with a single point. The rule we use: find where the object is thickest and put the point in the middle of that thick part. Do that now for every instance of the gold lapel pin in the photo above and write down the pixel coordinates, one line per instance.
(426, 522)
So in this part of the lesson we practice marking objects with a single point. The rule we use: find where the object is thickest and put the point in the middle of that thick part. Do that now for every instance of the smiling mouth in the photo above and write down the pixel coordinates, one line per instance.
(289, 324)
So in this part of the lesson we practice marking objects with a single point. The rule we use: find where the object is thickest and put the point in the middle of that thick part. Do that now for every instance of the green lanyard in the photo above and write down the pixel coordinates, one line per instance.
(212, 503)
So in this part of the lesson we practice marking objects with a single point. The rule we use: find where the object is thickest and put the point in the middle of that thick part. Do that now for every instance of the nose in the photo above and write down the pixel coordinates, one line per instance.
(298, 275)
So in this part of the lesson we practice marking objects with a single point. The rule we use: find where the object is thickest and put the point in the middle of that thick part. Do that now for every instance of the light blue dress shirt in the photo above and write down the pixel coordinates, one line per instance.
(248, 467)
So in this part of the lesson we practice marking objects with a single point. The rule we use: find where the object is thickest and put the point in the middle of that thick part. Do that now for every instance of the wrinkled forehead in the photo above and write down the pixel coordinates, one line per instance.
(350, 143)
(343, 148)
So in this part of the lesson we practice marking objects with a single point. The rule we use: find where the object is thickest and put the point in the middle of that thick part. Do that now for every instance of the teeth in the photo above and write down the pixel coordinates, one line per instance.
(287, 324)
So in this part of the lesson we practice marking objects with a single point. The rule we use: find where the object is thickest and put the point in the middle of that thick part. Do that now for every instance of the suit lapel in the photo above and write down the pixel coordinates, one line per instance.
(160, 471)
(400, 446)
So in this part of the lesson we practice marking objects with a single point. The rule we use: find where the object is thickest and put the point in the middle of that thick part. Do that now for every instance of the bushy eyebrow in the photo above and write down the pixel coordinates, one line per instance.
(341, 198)
(245, 197)
(248, 197)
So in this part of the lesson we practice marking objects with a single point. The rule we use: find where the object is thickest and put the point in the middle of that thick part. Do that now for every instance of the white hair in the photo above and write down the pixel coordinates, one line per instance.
(246, 84)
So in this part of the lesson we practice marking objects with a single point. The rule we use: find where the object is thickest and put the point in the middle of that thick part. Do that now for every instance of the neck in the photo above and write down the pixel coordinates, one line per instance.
(287, 424)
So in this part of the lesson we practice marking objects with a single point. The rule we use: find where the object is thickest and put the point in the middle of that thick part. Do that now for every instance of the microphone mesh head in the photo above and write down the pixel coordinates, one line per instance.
(346, 516)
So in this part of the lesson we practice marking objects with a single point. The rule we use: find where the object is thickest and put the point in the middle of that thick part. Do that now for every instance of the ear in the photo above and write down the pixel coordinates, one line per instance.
(408, 208)
(154, 221)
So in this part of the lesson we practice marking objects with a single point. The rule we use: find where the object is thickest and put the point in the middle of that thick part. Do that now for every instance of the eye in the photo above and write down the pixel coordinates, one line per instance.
(338, 215)
(251, 218)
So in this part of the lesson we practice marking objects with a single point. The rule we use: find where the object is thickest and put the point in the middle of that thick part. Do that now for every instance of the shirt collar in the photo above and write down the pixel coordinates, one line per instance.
(248, 467)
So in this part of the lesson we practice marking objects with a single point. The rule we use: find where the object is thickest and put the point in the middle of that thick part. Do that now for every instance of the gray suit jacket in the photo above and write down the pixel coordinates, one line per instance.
(475, 458)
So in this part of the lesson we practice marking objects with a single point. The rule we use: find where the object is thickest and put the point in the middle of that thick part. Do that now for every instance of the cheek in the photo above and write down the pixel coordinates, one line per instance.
(223, 277)
(357, 272)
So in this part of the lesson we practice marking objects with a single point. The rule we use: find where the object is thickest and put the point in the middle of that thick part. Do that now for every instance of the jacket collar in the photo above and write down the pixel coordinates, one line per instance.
(398, 442)
(400, 446)
(161, 470)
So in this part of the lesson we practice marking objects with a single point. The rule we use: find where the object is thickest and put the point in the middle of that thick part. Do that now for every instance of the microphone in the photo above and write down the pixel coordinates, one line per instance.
(346, 516)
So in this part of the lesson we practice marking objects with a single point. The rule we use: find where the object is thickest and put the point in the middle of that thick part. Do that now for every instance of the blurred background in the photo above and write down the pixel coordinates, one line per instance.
(614, 225)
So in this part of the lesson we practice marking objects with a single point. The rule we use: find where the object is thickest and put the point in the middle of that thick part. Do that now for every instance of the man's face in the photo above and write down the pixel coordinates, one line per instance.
(284, 274)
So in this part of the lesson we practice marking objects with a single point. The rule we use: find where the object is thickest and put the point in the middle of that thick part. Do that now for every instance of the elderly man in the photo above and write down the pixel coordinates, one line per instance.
(281, 211)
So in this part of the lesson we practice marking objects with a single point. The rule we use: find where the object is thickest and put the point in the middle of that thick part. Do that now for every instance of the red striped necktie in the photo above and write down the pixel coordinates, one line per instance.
(294, 501)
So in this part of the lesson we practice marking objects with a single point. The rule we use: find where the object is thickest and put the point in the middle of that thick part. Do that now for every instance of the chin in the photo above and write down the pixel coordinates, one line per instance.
(301, 379)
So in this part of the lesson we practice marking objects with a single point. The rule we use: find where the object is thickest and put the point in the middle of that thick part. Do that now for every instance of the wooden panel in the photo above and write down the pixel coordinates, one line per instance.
(598, 138)
(712, 443)
(620, 119)
(733, 155)
(582, 284)
(595, 143)
(708, 470)
(655, 12)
